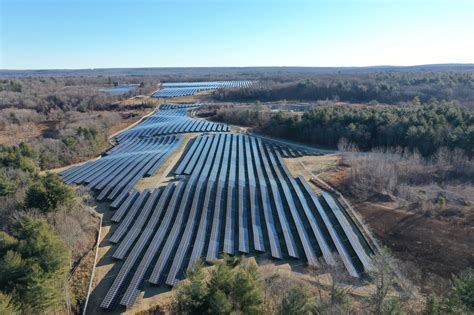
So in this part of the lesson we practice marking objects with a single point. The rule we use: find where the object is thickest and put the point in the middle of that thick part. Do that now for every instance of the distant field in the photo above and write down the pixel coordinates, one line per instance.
(234, 70)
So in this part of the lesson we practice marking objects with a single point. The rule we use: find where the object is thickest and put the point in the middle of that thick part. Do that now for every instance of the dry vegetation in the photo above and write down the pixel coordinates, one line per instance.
(66, 119)
(62, 122)
(423, 209)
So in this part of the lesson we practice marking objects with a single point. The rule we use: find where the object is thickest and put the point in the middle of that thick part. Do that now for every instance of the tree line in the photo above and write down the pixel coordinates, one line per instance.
(386, 87)
(423, 127)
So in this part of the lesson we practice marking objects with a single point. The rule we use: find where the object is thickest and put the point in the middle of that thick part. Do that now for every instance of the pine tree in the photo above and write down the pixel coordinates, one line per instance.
(34, 265)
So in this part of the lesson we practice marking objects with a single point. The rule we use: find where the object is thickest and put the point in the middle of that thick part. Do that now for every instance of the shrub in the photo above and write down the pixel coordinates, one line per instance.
(22, 157)
(7, 186)
(7, 306)
(227, 290)
(297, 301)
(463, 289)
(48, 193)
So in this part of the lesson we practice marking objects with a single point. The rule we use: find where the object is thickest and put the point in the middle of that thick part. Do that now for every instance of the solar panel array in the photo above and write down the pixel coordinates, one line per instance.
(233, 195)
(170, 121)
(178, 105)
(177, 89)
(236, 196)
(287, 151)
(210, 84)
(115, 174)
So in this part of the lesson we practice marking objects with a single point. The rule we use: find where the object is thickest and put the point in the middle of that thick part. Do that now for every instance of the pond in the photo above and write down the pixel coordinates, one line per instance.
(120, 89)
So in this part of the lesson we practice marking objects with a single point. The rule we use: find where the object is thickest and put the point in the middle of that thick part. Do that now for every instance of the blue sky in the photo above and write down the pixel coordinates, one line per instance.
(48, 34)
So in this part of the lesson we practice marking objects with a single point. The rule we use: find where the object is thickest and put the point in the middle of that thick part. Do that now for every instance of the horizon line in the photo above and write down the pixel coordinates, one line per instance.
(242, 67)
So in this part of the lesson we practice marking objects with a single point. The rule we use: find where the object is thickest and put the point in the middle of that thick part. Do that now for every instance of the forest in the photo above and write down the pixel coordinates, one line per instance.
(425, 127)
(44, 231)
(382, 87)
(66, 119)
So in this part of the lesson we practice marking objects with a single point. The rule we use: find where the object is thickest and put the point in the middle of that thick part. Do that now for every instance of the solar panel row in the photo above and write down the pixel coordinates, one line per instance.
(170, 121)
(178, 105)
(177, 89)
(176, 92)
(231, 177)
(210, 84)
(114, 175)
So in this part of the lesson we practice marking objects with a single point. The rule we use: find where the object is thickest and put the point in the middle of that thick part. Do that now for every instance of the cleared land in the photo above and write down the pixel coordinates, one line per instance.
(430, 248)
(234, 194)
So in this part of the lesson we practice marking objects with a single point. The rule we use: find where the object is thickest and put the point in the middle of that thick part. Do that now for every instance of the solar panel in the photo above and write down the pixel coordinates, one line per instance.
(303, 236)
(213, 246)
(353, 239)
(229, 230)
(127, 221)
(273, 238)
(176, 265)
(324, 247)
(242, 199)
(285, 227)
(189, 154)
(253, 196)
(175, 233)
(135, 230)
(206, 213)
(345, 256)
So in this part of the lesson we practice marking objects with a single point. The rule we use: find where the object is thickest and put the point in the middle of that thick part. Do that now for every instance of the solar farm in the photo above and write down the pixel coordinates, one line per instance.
(230, 193)
(172, 121)
(178, 89)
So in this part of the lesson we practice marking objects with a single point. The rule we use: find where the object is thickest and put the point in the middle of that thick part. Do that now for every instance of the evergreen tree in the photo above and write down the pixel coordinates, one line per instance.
(297, 302)
(230, 288)
(34, 265)
(49, 192)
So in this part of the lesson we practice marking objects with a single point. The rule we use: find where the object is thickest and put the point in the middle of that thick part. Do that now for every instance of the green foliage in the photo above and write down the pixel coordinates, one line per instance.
(460, 300)
(7, 186)
(192, 297)
(247, 292)
(88, 133)
(48, 193)
(69, 142)
(226, 290)
(391, 307)
(7, 306)
(22, 157)
(34, 265)
(463, 289)
(442, 202)
(297, 301)
(425, 128)
(433, 305)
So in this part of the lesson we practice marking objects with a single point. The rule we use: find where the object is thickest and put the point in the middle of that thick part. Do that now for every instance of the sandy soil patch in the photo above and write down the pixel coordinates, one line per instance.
(311, 166)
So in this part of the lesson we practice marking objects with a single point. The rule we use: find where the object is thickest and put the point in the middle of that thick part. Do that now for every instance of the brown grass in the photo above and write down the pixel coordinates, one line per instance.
(431, 245)
(15, 134)
(312, 166)
(79, 282)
